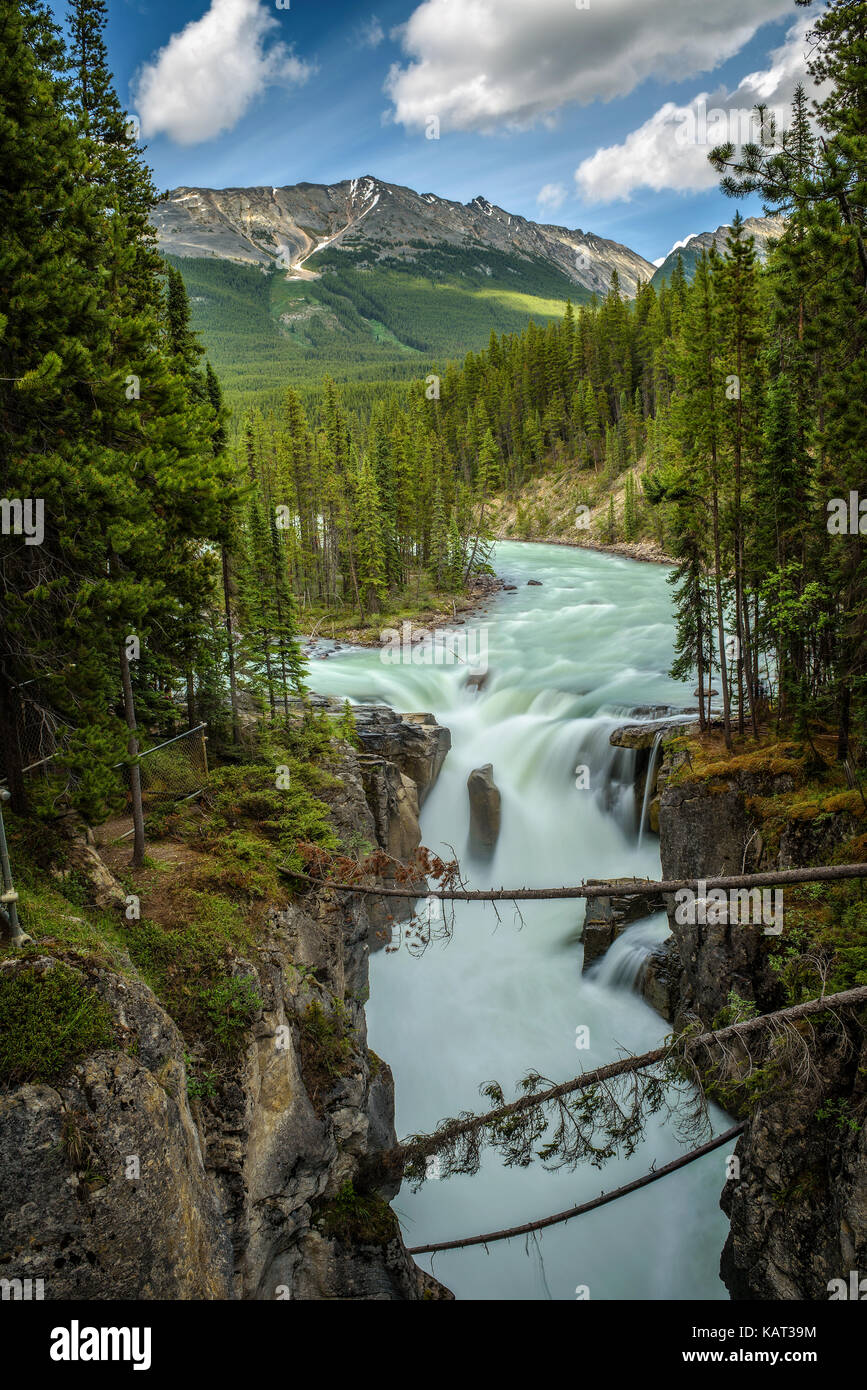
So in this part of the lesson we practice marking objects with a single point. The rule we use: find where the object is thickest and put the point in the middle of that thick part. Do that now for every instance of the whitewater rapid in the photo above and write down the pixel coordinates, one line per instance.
(568, 660)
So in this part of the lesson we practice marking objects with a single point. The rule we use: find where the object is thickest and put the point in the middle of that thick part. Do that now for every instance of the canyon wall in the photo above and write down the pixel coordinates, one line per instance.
(125, 1180)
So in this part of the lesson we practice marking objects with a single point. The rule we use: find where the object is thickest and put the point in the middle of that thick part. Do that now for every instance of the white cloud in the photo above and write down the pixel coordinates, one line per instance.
(485, 64)
(551, 196)
(678, 246)
(370, 34)
(207, 75)
(670, 149)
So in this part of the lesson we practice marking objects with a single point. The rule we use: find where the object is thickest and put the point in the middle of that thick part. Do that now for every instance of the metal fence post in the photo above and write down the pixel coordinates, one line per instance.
(9, 898)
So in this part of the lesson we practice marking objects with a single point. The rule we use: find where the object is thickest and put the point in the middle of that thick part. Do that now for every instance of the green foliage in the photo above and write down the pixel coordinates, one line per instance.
(48, 1019)
(356, 1218)
(326, 1047)
(346, 728)
(737, 1010)
(230, 1004)
(837, 1114)
(107, 420)
(372, 324)
(201, 1082)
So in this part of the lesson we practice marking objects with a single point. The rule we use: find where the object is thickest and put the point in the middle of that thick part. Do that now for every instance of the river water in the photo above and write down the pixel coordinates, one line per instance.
(567, 661)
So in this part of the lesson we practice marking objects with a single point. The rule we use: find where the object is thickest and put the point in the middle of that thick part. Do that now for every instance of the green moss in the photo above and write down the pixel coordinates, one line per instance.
(765, 756)
(48, 1019)
(186, 959)
(357, 1219)
(325, 1048)
(229, 1005)
(253, 824)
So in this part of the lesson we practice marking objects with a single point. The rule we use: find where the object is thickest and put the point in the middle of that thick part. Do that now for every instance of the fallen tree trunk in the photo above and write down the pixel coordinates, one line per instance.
(392, 1162)
(621, 888)
(529, 1226)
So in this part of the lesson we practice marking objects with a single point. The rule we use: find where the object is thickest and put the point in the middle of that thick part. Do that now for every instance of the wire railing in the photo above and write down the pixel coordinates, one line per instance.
(174, 770)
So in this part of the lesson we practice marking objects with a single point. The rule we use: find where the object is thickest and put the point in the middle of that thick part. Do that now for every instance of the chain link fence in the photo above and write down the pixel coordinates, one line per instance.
(39, 735)
(171, 771)
(175, 770)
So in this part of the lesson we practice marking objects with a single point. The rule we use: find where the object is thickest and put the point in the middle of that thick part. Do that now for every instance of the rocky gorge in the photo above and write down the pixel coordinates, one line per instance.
(136, 1176)
(797, 1194)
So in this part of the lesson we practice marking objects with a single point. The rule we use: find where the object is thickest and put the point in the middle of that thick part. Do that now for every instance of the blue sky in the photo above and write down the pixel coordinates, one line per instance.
(527, 93)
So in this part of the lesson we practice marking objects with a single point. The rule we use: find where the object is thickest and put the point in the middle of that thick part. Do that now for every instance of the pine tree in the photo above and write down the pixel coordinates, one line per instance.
(368, 528)
(696, 422)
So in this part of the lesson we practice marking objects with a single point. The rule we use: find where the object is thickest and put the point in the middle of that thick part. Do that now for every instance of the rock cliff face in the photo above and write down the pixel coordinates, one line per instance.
(124, 1182)
(106, 1193)
(798, 1208)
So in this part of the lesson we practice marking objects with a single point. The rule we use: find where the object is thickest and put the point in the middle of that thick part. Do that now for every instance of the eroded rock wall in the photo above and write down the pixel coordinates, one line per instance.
(237, 1185)
(798, 1206)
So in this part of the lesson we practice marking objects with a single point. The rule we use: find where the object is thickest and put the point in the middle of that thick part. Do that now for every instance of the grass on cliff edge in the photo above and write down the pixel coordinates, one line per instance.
(209, 877)
(354, 1218)
(48, 1019)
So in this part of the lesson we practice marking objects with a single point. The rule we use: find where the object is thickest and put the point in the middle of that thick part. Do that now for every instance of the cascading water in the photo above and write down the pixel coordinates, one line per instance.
(568, 660)
(624, 961)
(648, 783)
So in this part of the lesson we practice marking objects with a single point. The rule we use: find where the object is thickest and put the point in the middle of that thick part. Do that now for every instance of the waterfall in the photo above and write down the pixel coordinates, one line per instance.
(568, 660)
(623, 962)
(648, 782)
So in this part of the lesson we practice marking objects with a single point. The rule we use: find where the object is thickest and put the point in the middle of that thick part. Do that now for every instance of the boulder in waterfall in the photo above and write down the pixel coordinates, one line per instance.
(484, 809)
(477, 680)
(606, 917)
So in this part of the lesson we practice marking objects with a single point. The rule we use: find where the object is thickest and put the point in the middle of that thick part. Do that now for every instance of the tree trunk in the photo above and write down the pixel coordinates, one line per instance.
(702, 722)
(138, 847)
(472, 558)
(721, 636)
(843, 726)
(13, 762)
(230, 641)
(191, 698)
(393, 1161)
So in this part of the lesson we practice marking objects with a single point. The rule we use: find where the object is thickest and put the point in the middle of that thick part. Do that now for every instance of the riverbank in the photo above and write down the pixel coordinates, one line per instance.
(427, 617)
(583, 509)
(646, 550)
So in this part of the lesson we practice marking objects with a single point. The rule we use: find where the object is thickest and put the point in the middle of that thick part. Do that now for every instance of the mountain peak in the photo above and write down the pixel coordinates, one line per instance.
(285, 227)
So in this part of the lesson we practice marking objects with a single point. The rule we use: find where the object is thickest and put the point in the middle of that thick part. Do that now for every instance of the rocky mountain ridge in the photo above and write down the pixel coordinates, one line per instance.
(764, 231)
(285, 227)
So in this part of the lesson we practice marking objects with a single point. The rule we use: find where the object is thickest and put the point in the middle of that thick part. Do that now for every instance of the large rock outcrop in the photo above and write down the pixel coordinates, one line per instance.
(709, 828)
(798, 1208)
(133, 1177)
(798, 1205)
(105, 1188)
